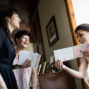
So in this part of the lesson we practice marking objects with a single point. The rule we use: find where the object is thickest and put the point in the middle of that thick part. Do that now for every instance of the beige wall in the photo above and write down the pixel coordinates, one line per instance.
(48, 8)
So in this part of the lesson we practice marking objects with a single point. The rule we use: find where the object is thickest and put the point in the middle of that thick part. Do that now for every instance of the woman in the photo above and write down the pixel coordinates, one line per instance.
(23, 73)
(9, 20)
(82, 32)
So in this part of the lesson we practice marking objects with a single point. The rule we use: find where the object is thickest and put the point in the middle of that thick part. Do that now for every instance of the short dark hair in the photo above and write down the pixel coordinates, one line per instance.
(20, 33)
(83, 27)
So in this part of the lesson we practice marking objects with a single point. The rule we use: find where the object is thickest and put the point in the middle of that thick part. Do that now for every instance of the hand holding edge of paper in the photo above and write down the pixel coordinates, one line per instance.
(59, 64)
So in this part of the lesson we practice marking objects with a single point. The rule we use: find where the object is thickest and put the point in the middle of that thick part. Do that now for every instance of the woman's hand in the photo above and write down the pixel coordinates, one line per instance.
(59, 64)
(85, 53)
(26, 64)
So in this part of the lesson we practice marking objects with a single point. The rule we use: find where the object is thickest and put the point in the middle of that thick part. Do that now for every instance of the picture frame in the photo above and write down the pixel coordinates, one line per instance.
(52, 33)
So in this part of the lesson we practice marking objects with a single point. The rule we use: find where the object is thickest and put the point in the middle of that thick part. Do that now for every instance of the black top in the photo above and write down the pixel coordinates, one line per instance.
(7, 55)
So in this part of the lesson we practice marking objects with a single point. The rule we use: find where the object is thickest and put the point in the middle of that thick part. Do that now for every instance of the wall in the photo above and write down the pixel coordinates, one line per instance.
(22, 12)
(48, 8)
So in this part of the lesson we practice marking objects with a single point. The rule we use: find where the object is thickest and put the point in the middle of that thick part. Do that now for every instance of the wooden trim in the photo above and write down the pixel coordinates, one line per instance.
(72, 20)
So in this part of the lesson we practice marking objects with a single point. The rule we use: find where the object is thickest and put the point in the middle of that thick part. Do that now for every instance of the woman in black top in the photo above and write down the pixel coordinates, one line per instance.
(9, 20)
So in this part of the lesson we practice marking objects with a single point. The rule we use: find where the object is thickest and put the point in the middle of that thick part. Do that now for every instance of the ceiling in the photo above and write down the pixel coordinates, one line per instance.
(31, 5)
(26, 3)
(4, 2)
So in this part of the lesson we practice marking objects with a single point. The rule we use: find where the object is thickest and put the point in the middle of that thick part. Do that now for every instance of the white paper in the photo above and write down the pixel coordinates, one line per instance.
(70, 53)
(33, 57)
(64, 54)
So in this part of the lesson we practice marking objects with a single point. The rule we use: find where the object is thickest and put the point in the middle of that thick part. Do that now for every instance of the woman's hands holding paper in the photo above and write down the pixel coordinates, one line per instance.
(85, 53)
(59, 64)
(26, 64)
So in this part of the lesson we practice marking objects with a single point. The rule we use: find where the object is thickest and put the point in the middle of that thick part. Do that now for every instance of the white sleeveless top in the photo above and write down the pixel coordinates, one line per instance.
(22, 76)
(86, 77)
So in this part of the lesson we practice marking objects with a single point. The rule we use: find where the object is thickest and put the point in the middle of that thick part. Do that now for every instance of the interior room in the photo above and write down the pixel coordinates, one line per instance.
(38, 16)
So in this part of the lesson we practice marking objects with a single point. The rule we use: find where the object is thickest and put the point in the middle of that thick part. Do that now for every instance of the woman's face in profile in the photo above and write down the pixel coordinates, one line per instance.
(83, 36)
(15, 21)
(24, 41)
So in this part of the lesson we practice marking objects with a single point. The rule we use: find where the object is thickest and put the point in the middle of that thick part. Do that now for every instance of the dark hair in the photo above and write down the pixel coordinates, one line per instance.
(83, 27)
(3, 21)
(20, 33)
(6, 13)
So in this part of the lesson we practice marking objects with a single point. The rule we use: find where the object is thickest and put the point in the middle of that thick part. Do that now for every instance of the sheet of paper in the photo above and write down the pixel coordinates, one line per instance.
(70, 53)
(33, 57)
(76, 51)
(36, 63)
(63, 54)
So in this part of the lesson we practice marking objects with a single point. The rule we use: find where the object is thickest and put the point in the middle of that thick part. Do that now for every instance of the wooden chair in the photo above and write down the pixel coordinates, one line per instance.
(59, 80)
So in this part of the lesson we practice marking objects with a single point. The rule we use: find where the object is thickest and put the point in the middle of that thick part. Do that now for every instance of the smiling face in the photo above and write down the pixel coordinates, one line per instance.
(14, 21)
(83, 36)
(23, 42)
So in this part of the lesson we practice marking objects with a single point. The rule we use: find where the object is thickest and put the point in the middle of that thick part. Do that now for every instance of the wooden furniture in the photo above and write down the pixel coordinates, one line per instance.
(59, 80)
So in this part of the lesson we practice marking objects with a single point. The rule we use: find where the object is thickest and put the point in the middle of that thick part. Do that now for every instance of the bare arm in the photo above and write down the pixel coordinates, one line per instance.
(34, 78)
(78, 74)
(2, 83)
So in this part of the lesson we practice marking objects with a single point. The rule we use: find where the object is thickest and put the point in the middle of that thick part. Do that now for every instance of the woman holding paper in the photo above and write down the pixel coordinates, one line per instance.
(82, 32)
(24, 73)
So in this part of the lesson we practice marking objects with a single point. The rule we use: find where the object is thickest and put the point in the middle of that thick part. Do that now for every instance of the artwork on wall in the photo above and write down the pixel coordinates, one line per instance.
(52, 33)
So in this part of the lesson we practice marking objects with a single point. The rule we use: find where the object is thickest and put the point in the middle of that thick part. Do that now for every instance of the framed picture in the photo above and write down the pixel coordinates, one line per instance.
(52, 33)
